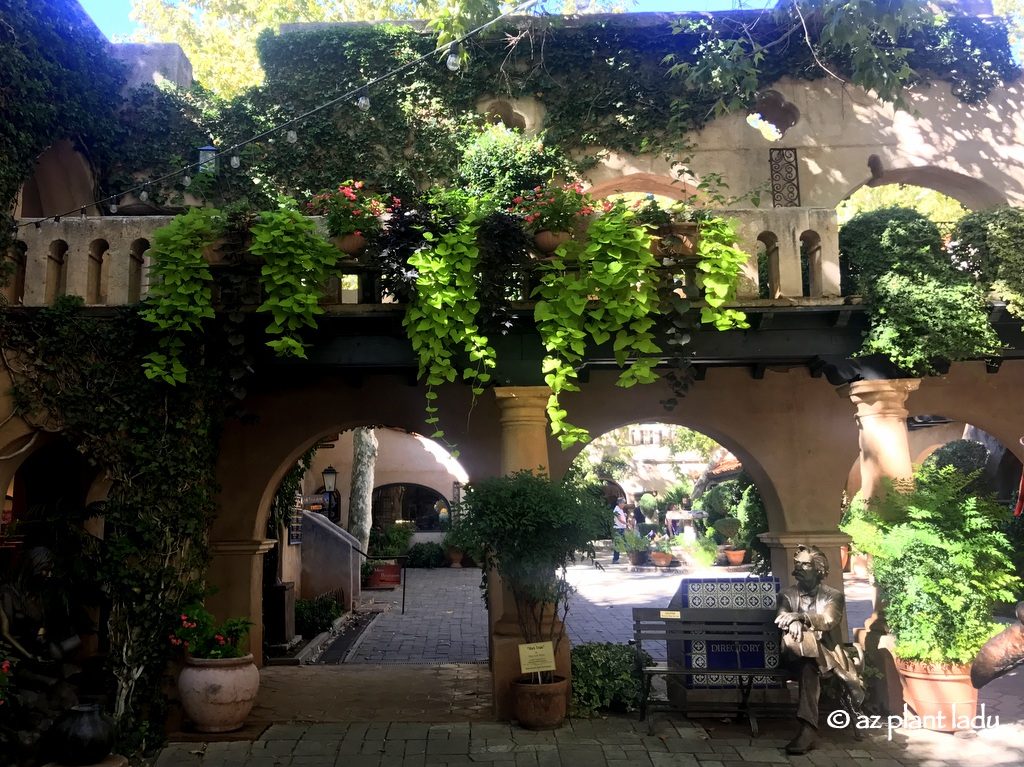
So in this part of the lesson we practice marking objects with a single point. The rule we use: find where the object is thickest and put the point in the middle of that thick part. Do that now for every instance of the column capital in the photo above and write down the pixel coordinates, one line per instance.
(793, 538)
(522, 404)
(885, 398)
(242, 547)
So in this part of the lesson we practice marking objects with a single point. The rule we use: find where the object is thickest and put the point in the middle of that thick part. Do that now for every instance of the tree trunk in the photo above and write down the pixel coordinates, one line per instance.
(360, 499)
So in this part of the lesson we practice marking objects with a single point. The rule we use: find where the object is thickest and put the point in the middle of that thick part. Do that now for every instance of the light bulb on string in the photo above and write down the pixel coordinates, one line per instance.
(144, 195)
(113, 206)
(236, 161)
(454, 60)
(363, 102)
(186, 181)
(291, 137)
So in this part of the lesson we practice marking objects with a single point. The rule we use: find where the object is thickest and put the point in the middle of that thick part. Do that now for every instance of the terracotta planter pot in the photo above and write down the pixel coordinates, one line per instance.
(677, 240)
(548, 242)
(661, 559)
(218, 693)
(455, 558)
(942, 696)
(636, 558)
(844, 557)
(860, 565)
(352, 244)
(735, 556)
(540, 706)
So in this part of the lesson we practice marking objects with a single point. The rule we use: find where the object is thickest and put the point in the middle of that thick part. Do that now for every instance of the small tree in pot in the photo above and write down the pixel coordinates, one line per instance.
(531, 529)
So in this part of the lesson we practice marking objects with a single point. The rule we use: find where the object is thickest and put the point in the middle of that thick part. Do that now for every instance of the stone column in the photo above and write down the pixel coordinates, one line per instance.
(783, 547)
(882, 420)
(884, 454)
(237, 568)
(524, 445)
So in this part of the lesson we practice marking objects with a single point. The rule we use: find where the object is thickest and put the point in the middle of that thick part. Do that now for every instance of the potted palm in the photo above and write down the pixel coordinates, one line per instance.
(219, 682)
(531, 529)
(941, 564)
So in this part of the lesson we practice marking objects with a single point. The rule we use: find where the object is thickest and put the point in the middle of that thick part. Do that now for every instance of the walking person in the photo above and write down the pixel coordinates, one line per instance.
(618, 526)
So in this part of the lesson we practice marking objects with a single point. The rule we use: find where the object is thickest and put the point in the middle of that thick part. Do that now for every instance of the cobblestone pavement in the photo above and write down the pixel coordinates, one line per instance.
(611, 742)
(430, 716)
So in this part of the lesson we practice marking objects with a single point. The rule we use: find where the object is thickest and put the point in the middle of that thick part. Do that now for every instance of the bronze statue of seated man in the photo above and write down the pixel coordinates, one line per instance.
(807, 613)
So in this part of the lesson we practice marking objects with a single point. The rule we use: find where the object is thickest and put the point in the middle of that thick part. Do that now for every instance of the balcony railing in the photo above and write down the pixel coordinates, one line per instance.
(105, 260)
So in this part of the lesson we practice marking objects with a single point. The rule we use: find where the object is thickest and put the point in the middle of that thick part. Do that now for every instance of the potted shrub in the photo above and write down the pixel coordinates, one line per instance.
(634, 545)
(552, 213)
(390, 542)
(531, 529)
(661, 551)
(219, 682)
(353, 215)
(458, 543)
(941, 564)
(729, 528)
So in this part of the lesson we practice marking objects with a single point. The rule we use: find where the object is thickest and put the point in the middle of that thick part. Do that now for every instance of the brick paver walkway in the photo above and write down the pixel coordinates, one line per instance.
(430, 715)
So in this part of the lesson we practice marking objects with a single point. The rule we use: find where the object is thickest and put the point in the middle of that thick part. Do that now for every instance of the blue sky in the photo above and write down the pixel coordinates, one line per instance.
(111, 16)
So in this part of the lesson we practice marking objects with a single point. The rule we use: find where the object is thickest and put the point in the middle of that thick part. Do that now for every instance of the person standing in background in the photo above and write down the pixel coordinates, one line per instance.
(618, 525)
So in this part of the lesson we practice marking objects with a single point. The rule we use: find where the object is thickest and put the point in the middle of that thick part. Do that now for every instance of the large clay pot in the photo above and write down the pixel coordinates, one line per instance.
(352, 244)
(735, 556)
(844, 557)
(455, 557)
(942, 696)
(218, 693)
(82, 735)
(661, 559)
(540, 706)
(636, 558)
(548, 242)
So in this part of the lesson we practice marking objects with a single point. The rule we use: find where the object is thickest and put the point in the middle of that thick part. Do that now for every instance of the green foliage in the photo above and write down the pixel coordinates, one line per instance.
(648, 504)
(703, 552)
(612, 297)
(987, 243)
(677, 491)
(501, 163)
(605, 678)
(923, 310)
(157, 446)
(941, 562)
(631, 542)
(719, 266)
(753, 521)
(441, 319)
(935, 206)
(965, 455)
(728, 528)
(555, 208)
(199, 635)
(720, 500)
(284, 499)
(296, 262)
(60, 82)
(391, 541)
(180, 299)
(350, 209)
(532, 529)
(315, 616)
(427, 555)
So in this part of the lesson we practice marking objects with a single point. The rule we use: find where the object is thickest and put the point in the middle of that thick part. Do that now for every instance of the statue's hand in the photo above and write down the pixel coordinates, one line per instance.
(783, 620)
(796, 630)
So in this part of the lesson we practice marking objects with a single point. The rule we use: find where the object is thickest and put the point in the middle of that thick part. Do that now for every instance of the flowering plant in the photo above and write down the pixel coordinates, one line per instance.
(351, 209)
(6, 667)
(553, 208)
(650, 213)
(199, 636)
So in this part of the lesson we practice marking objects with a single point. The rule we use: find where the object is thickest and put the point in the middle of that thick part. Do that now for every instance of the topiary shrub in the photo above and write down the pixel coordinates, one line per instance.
(728, 528)
(720, 500)
(965, 455)
(605, 678)
(426, 555)
(987, 243)
(924, 311)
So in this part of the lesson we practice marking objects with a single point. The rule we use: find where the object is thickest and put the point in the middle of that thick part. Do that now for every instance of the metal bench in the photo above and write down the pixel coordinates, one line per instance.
(727, 628)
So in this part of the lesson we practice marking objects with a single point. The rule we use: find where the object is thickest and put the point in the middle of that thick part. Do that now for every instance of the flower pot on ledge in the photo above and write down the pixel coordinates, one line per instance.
(548, 241)
(218, 693)
(351, 244)
(676, 240)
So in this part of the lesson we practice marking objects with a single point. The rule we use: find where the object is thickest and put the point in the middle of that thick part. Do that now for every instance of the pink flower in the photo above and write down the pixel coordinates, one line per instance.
(218, 639)
(517, 200)
(5, 667)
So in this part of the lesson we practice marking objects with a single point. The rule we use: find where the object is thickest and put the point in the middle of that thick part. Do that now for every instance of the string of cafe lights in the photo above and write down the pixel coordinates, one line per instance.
(361, 95)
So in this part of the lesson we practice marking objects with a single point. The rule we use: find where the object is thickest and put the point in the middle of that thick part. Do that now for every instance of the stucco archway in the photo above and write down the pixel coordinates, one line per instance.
(972, 193)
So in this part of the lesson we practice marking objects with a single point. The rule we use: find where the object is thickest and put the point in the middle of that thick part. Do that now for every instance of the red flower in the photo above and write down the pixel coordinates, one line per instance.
(5, 667)
(218, 639)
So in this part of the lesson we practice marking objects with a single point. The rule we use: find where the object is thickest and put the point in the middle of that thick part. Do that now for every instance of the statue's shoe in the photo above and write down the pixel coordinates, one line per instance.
(804, 741)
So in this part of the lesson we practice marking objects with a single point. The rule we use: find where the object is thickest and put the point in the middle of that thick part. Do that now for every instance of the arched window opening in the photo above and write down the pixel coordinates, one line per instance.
(56, 271)
(810, 264)
(17, 257)
(410, 502)
(95, 283)
(768, 266)
(136, 264)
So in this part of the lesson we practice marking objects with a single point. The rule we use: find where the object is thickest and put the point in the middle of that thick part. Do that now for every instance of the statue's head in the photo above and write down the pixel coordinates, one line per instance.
(809, 566)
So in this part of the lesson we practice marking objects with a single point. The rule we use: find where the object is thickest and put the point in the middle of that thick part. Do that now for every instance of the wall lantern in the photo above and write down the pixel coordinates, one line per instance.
(330, 479)
(207, 159)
